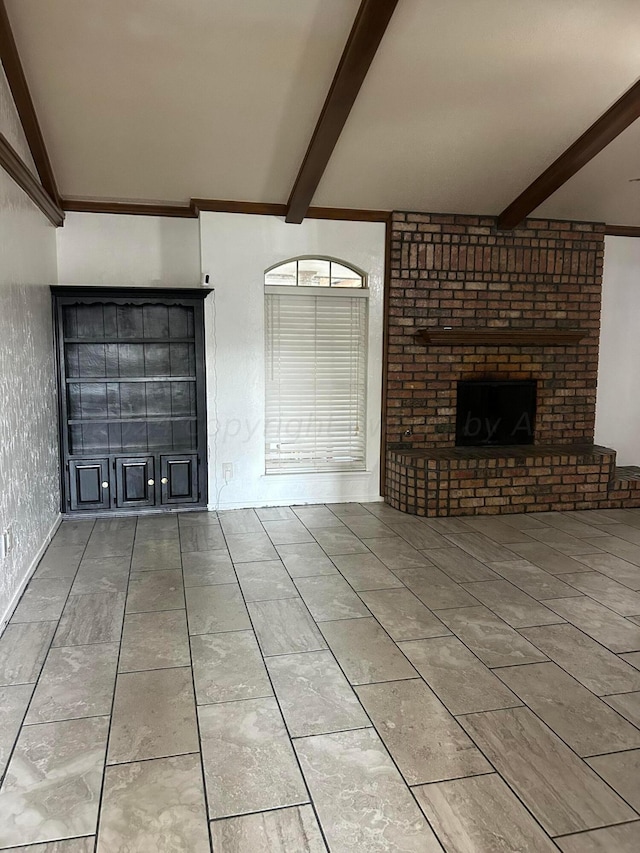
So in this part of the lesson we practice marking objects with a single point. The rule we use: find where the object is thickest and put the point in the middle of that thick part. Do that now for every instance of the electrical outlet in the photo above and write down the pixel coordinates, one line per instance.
(227, 471)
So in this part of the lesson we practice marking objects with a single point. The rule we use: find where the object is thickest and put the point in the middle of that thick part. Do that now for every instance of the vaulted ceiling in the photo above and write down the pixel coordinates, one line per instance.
(465, 103)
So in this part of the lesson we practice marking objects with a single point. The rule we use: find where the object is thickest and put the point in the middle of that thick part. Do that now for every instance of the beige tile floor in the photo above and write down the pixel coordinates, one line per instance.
(342, 678)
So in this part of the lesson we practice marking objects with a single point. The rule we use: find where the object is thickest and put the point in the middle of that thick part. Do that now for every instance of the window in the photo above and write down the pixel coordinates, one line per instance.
(316, 366)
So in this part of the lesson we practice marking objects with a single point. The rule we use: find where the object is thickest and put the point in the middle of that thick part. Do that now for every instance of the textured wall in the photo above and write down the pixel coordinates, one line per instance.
(29, 494)
(10, 122)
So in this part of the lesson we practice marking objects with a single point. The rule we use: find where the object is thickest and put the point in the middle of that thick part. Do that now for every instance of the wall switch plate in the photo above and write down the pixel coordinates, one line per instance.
(227, 471)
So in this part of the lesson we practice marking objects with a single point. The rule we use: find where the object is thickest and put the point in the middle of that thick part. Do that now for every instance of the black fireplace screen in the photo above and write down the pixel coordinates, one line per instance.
(495, 413)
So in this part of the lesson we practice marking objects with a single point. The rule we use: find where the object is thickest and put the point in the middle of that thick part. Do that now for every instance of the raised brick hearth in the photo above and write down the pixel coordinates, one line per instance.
(462, 272)
(489, 481)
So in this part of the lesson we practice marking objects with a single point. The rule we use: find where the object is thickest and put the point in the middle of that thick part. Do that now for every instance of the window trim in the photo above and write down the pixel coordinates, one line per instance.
(327, 292)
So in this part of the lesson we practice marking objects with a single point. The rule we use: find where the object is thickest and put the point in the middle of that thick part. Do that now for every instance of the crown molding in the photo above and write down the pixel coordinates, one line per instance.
(622, 230)
(77, 205)
(191, 211)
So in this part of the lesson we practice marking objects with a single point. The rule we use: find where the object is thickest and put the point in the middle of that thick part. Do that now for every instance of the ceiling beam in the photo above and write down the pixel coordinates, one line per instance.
(15, 166)
(24, 105)
(366, 34)
(610, 125)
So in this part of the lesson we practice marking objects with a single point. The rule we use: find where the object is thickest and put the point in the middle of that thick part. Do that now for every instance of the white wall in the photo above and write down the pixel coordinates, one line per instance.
(29, 490)
(618, 400)
(132, 251)
(236, 249)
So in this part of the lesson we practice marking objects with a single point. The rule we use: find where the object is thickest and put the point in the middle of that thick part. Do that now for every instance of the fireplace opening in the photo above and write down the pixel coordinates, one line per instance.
(495, 412)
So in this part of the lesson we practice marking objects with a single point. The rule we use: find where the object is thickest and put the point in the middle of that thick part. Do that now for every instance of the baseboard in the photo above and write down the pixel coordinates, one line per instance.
(293, 502)
(6, 616)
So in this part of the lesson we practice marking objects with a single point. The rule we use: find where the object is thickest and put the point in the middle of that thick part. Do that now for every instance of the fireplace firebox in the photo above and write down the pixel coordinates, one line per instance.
(495, 412)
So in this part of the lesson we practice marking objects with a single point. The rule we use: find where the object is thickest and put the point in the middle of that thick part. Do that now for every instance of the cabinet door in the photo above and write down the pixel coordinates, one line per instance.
(135, 481)
(179, 479)
(89, 486)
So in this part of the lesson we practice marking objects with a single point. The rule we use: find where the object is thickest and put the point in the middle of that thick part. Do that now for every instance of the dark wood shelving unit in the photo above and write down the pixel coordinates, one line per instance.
(498, 337)
(131, 382)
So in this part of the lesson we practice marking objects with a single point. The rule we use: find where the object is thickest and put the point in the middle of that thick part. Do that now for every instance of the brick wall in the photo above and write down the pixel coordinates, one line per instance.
(461, 271)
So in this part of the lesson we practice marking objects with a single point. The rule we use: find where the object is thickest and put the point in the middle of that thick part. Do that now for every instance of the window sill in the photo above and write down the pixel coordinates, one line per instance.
(362, 472)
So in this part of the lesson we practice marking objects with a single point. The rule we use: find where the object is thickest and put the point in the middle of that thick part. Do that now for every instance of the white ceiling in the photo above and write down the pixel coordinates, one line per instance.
(466, 102)
(168, 99)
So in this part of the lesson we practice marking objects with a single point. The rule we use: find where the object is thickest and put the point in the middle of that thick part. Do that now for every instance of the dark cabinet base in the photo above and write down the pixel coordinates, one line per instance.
(132, 483)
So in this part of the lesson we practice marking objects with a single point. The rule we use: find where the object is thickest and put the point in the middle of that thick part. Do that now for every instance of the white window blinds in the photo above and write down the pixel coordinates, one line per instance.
(316, 354)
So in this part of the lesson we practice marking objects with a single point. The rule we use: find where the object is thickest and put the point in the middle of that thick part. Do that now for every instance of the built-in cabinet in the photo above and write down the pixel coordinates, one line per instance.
(132, 402)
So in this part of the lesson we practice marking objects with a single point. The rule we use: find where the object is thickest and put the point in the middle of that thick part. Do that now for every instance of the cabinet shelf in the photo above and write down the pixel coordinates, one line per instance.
(93, 380)
(104, 452)
(158, 419)
(121, 341)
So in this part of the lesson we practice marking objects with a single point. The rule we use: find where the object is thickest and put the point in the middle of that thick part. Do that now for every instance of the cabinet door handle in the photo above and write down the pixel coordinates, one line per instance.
(164, 481)
(151, 482)
(105, 485)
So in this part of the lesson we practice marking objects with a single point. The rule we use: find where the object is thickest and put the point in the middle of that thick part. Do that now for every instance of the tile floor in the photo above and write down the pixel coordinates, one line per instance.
(341, 678)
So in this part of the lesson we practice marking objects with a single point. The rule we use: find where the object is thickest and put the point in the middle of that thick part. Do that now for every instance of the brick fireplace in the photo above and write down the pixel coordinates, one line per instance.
(521, 305)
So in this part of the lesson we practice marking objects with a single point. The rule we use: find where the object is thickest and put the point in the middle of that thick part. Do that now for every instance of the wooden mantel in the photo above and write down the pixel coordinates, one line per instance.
(488, 336)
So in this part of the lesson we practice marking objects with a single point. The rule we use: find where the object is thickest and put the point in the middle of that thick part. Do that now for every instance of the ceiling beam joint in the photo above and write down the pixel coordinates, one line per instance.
(610, 125)
(16, 168)
(24, 105)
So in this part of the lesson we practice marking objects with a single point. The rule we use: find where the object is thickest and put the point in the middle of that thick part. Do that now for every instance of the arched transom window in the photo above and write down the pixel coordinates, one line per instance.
(316, 366)
(314, 272)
